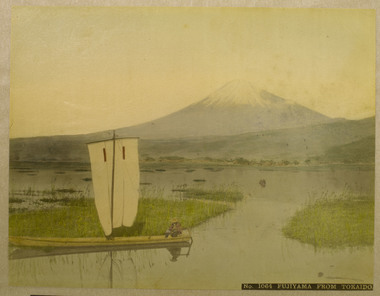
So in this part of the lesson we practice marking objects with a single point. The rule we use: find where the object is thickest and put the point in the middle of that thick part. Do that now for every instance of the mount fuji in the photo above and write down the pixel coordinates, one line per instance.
(237, 120)
(237, 107)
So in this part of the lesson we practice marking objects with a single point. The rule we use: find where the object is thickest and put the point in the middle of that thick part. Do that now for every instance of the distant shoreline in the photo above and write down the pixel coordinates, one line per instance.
(191, 163)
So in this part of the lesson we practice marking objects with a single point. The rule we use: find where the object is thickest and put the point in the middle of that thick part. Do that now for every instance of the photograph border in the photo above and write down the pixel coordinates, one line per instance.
(5, 30)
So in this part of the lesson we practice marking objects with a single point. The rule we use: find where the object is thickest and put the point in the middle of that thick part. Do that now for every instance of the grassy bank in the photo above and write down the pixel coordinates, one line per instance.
(78, 218)
(334, 222)
(217, 194)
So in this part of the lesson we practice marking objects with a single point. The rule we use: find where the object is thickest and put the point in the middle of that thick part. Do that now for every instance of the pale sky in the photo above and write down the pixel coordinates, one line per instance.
(80, 70)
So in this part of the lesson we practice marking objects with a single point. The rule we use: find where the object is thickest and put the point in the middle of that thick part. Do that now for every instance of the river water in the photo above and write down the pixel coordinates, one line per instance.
(245, 245)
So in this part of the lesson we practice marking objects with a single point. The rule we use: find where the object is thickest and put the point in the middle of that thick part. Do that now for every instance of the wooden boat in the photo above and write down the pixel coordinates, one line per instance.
(30, 247)
(23, 241)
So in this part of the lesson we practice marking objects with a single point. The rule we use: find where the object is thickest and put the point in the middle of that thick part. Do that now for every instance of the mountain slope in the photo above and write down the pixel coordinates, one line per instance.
(282, 144)
(293, 143)
(236, 108)
(362, 151)
(54, 148)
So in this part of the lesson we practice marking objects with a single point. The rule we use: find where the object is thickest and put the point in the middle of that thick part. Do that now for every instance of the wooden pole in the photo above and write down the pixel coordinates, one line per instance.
(113, 179)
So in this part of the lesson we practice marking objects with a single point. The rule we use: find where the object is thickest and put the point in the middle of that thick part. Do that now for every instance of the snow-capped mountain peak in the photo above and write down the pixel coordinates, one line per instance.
(237, 107)
(240, 92)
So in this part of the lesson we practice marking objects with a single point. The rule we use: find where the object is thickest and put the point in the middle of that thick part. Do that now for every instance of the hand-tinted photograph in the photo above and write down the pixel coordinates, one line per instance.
(192, 148)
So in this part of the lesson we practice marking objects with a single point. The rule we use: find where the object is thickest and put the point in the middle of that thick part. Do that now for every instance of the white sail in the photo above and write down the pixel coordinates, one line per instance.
(124, 179)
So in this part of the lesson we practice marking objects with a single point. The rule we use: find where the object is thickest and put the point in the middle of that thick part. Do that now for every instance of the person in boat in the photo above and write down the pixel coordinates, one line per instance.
(175, 229)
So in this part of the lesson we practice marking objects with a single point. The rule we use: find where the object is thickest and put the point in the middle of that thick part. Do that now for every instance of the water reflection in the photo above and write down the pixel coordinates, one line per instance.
(176, 252)
(113, 268)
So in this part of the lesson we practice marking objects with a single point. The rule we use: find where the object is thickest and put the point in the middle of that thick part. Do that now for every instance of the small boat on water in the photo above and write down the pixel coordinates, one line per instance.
(45, 246)
(133, 241)
(116, 181)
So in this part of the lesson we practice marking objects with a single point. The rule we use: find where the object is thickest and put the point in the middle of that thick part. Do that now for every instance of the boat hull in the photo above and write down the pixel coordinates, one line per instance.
(29, 247)
(24, 241)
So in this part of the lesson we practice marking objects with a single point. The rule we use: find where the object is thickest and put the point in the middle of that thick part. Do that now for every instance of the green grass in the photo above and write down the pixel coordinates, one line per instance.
(334, 222)
(76, 221)
(217, 194)
(81, 220)
(154, 215)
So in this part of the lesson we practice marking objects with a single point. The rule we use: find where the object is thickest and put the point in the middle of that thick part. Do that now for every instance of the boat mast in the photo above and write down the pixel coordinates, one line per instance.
(113, 178)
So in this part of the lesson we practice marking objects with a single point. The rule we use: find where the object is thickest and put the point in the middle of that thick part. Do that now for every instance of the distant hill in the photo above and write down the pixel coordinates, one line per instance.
(236, 108)
(54, 148)
(283, 144)
(328, 140)
(361, 151)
